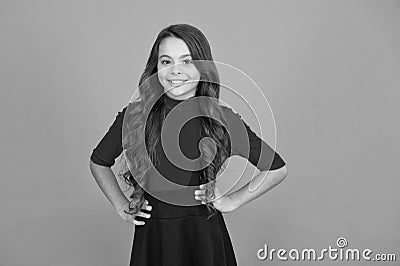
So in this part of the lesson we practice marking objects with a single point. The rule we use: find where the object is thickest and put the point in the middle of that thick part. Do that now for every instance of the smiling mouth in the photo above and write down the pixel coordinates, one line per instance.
(177, 82)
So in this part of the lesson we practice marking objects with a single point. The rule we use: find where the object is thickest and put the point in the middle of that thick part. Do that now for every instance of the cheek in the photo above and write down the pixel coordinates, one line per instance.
(161, 75)
(161, 80)
(162, 71)
(195, 74)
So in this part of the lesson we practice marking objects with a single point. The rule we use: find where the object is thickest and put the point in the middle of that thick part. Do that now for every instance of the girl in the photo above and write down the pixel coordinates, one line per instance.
(177, 211)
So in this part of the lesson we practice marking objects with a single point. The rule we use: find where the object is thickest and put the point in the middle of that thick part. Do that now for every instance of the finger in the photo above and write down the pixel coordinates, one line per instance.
(138, 219)
(200, 198)
(144, 204)
(199, 192)
(130, 219)
(147, 208)
(138, 222)
(143, 214)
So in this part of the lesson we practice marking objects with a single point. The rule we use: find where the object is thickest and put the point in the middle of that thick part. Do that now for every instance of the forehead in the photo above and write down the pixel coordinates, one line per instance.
(174, 47)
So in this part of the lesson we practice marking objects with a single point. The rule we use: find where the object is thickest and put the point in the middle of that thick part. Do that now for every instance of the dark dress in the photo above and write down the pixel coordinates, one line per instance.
(178, 235)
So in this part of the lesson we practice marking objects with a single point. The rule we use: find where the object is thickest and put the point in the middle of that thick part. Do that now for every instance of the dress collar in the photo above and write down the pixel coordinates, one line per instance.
(170, 102)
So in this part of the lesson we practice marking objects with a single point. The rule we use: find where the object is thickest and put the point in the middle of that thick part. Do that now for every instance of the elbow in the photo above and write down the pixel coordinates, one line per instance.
(279, 174)
(284, 172)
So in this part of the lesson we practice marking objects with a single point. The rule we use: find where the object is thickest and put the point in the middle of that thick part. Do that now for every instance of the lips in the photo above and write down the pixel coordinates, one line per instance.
(177, 82)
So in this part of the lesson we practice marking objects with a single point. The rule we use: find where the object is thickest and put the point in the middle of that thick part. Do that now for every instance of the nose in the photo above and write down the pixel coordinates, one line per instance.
(175, 69)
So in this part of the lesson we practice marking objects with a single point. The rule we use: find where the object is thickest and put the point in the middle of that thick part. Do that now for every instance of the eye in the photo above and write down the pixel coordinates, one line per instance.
(164, 62)
(187, 61)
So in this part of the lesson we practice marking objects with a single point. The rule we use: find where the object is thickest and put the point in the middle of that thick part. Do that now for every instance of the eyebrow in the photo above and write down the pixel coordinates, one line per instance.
(182, 56)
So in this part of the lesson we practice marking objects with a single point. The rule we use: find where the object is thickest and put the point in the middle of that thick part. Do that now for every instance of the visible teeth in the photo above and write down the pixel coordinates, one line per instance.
(177, 81)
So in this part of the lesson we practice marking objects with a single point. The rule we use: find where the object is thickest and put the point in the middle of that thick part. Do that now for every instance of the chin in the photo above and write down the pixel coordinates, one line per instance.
(177, 92)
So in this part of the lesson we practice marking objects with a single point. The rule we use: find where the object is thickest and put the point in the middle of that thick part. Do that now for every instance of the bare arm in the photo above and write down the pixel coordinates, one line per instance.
(108, 184)
(109, 148)
(260, 184)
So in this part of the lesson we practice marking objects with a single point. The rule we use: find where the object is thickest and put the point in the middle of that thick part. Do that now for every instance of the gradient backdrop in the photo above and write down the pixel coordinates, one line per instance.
(331, 73)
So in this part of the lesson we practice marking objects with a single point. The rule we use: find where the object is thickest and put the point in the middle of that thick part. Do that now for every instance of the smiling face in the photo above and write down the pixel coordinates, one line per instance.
(176, 71)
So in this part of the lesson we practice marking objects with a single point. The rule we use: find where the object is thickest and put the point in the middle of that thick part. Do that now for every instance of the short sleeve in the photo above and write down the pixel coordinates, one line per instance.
(110, 146)
(247, 144)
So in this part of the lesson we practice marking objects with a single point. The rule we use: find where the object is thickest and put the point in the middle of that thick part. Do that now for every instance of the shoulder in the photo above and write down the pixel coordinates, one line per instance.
(232, 117)
(127, 108)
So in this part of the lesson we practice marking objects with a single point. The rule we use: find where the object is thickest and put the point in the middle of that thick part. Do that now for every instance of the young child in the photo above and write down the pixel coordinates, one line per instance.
(176, 208)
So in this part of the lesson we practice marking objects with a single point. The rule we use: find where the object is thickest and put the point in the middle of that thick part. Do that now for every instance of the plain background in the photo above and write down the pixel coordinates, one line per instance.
(330, 70)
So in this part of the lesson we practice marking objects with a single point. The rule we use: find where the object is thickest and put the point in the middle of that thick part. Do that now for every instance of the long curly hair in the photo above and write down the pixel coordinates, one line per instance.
(140, 145)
